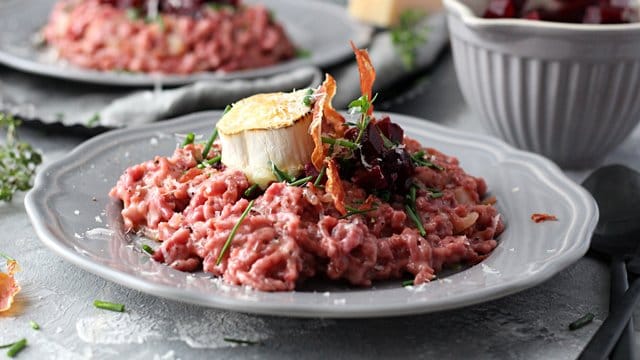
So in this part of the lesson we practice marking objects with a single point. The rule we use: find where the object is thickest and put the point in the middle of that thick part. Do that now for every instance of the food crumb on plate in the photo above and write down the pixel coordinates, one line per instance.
(542, 217)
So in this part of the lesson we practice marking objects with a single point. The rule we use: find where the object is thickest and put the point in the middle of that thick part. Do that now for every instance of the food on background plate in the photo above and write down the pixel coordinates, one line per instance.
(386, 13)
(571, 11)
(353, 200)
(165, 36)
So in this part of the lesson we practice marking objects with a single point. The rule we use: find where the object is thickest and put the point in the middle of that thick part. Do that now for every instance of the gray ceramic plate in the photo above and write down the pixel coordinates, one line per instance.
(323, 28)
(74, 217)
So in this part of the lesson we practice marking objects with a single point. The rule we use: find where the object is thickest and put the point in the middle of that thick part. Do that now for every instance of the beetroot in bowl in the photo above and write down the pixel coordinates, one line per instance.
(569, 11)
(567, 91)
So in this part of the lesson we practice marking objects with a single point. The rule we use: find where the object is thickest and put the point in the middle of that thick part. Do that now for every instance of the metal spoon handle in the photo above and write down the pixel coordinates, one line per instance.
(601, 344)
(625, 347)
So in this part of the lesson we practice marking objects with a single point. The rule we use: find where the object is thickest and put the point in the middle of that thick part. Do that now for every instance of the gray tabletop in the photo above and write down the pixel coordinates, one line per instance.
(59, 296)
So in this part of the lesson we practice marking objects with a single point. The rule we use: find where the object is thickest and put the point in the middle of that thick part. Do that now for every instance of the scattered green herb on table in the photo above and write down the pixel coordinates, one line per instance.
(94, 120)
(34, 325)
(241, 342)
(583, 321)
(16, 348)
(18, 160)
(108, 306)
(410, 33)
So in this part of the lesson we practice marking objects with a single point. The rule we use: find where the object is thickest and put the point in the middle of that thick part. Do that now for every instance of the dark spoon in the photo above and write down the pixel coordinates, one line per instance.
(616, 189)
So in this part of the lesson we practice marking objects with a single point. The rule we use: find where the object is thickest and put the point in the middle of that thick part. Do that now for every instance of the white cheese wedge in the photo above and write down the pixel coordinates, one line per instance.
(386, 13)
(265, 129)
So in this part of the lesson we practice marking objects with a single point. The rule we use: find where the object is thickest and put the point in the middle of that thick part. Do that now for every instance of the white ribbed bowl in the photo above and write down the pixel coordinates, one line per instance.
(570, 92)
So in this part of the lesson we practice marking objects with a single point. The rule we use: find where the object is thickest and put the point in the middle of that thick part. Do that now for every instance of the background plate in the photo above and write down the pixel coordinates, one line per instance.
(323, 28)
(73, 215)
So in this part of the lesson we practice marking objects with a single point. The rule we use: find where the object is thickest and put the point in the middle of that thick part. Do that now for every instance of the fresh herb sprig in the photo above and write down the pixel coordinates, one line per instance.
(18, 160)
(361, 106)
(409, 35)
(308, 97)
(353, 211)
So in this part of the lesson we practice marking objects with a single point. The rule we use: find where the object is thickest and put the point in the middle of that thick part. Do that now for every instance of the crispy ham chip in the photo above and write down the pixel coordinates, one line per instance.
(8, 285)
(367, 73)
(326, 121)
(334, 186)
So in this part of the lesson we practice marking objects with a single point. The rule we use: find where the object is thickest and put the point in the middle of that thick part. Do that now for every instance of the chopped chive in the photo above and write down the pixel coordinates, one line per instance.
(94, 120)
(233, 232)
(435, 193)
(411, 198)
(209, 162)
(148, 249)
(302, 181)
(241, 342)
(419, 160)
(133, 14)
(303, 53)
(6, 345)
(6, 256)
(108, 305)
(34, 325)
(353, 211)
(280, 175)
(308, 98)
(341, 142)
(415, 219)
(407, 283)
(227, 109)
(323, 170)
(207, 146)
(16, 348)
(251, 190)
(583, 321)
(189, 139)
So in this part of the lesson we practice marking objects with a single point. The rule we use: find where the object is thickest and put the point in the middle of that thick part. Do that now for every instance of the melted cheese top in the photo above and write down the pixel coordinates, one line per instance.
(264, 111)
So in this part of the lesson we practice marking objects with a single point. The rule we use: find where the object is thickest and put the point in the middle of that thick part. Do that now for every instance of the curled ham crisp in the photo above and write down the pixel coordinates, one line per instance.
(367, 73)
(8, 285)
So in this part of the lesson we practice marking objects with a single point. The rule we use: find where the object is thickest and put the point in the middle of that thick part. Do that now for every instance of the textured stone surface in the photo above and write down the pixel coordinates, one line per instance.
(59, 296)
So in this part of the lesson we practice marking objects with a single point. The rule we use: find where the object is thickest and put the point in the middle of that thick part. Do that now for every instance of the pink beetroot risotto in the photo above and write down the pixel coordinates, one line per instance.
(166, 36)
(386, 208)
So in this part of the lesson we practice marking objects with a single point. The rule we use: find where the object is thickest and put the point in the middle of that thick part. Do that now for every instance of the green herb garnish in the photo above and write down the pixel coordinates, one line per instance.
(207, 146)
(362, 105)
(323, 170)
(209, 162)
(353, 211)
(583, 321)
(108, 306)
(34, 325)
(148, 249)
(241, 342)
(302, 181)
(227, 109)
(303, 53)
(407, 283)
(341, 142)
(7, 256)
(232, 234)
(189, 139)
(409, 35)
(16, 348)
(435, 193)
(6, 345)
(250, 191)
(133, 14)
(18, 160)
(308, 98)
(93, 120)
(280, 175)
(419, 160)
(414, 217)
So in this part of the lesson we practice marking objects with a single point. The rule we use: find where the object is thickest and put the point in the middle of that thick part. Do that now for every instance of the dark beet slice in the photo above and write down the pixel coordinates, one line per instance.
(391, 130)
(370, 178)
(500, 9)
